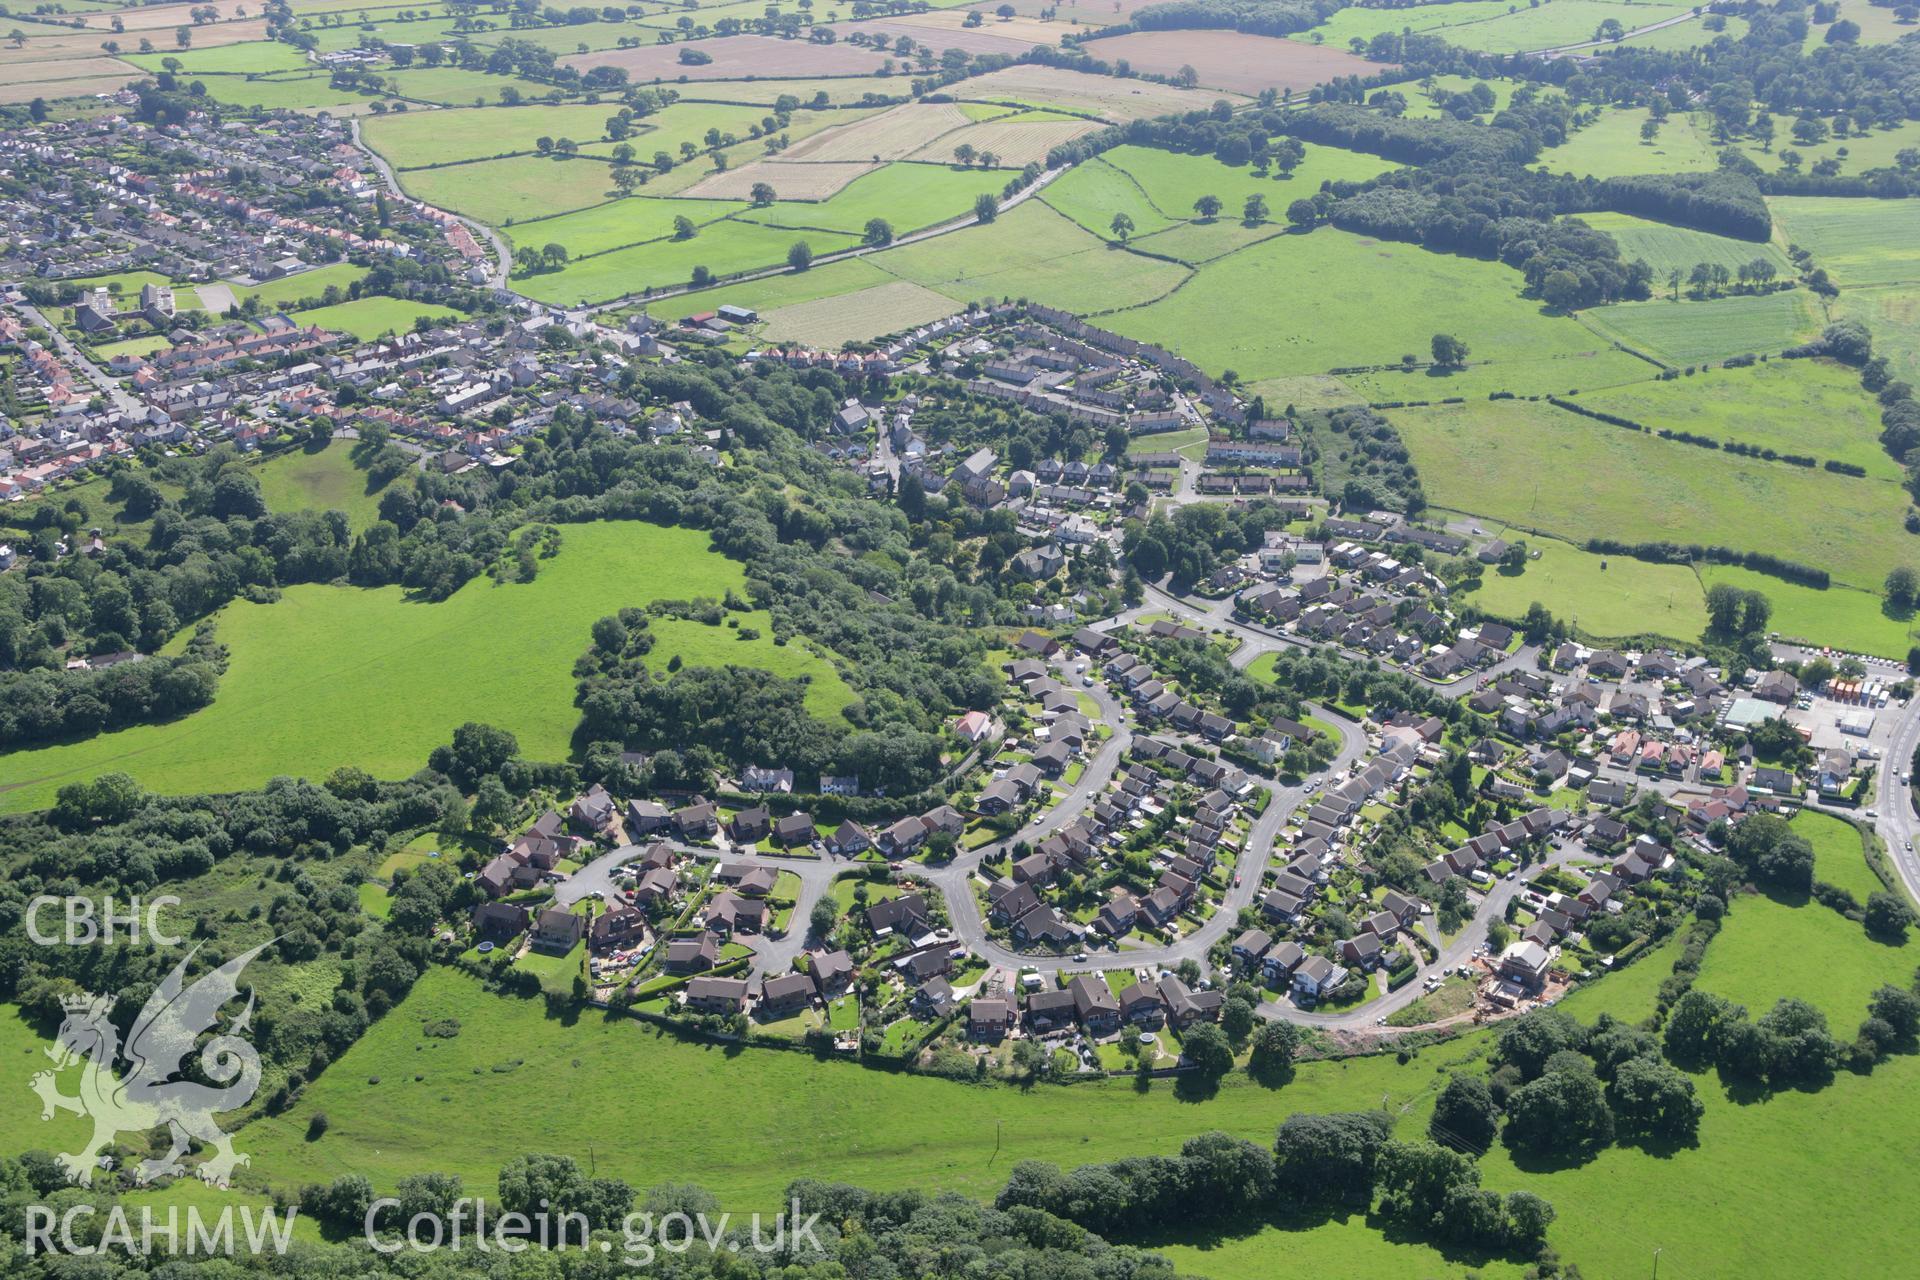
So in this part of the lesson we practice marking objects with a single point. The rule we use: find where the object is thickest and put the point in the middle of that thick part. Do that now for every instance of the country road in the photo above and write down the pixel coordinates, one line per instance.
(502, 251)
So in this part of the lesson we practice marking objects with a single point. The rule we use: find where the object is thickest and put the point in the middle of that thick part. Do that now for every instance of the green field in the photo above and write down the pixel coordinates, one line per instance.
(442, 137)
(290, 92)
(1032, 252)
(724, 248)
(1857, 241)
(301, 285)
(860, 316)
(1667, 248)
(617, 224)
(847, 276)
(1497, 26)
(1611, 147)
(1808, 407)
(699, 645)
(1687, 332)
(1857, 152)
(839, 91)
(1626, 598)
(1892, 313)
(513, 190)
(457, 87)
(1539, 467)
(370, 317)
(1420, 106)
(1093, 192)
(908, 196)
(300, 480)
(1380, 300)
(1837, 855)
(1341, 1246)
(1845, 618)
(330, 675)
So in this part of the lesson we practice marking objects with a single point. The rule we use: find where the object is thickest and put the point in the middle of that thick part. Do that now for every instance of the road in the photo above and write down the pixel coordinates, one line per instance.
(70, 355)
(503, 252)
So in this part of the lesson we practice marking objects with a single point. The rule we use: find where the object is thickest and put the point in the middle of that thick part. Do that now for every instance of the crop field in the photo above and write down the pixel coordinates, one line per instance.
(1010, 38)
(415, 138)
(1076, 91)
(1233, 61)
(1892, 314)
(819, 180)
(894, 134)
(1032, 252)
(735, 57)
(1857, 241)
(908, 196)
(1084, 13)
(828, 323)
(1538, 467)
(1018, 140)
(329, 675)
(368, 318)
(724, 248)
(327, 480)
(839, 91)
(1668, 248)
(1391, 299)
(617, 223)
(158, 16)
(1809, 407)
(1611, 146)
(1846, 618)
(694, 121)
(253, 58)
(40, 71)
(1602, 596)
(1687, 332)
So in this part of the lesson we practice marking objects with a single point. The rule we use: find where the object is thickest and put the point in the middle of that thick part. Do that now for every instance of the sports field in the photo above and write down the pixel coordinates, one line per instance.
(1686, 332)
(1857, 241)
(1539, 467)
(330, 675)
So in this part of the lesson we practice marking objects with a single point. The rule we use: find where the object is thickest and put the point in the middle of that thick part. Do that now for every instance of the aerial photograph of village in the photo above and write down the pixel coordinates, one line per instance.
(959, 640)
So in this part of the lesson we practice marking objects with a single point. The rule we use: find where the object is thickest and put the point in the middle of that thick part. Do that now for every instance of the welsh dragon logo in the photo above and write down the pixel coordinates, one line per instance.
(148, 1094)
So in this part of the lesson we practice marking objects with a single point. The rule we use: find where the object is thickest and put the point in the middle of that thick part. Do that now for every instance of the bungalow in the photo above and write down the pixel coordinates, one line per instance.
(1037, 644)
(906, 915)
(717, 995)
(693, 955)
(848, 839)
(794, 829)
(731, 912)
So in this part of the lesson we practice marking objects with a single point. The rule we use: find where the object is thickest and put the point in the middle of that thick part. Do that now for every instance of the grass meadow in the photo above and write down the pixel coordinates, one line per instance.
(1542, 468)
(828, 323)
(1810, 407)
(724, 248)
(1495, 26)
(1838, 857)
(326, 480)
(1381, 300)
(1625, 598)
(1612, 147)
(908, 196)
(370, 317)
(329, 675)
(1892, 313)
(1843, 617)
